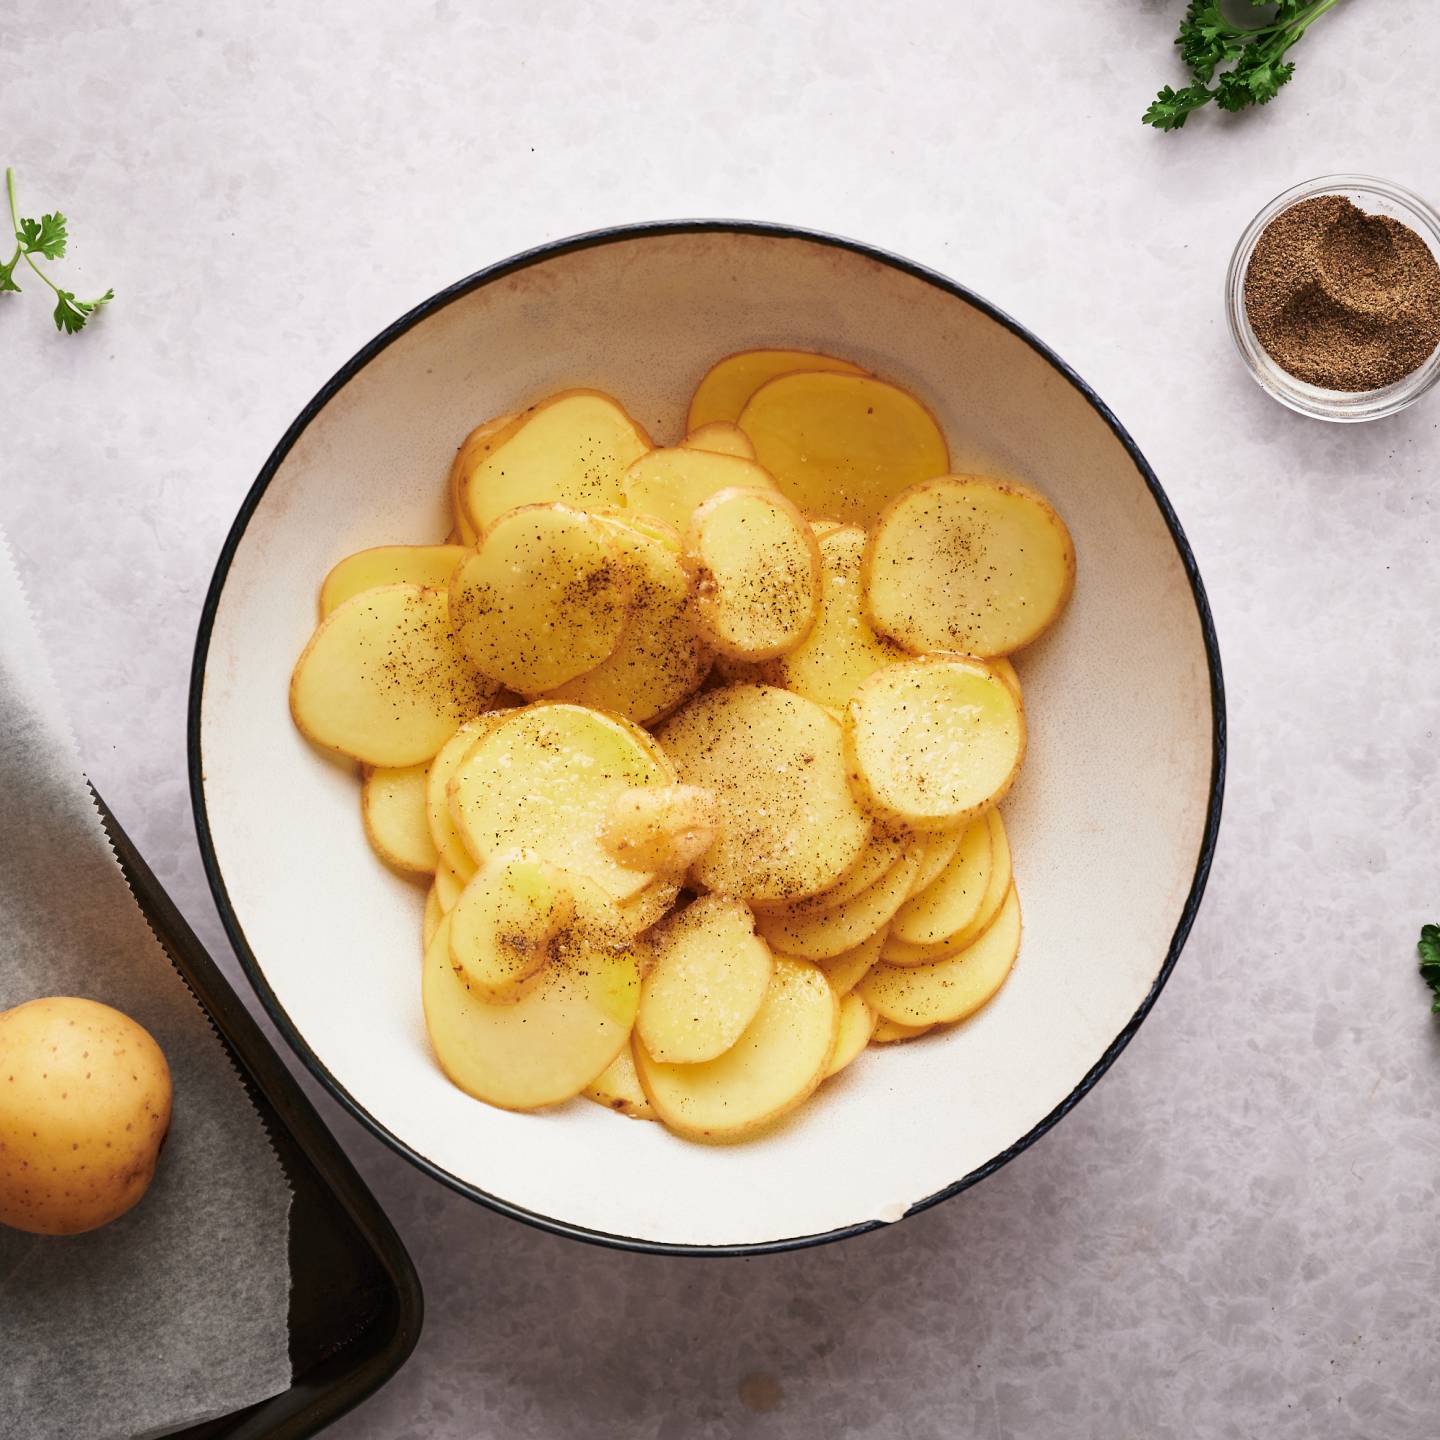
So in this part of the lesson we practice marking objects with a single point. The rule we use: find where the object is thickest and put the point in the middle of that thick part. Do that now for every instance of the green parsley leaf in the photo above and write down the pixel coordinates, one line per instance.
(71, 314)
(1429, 950)
(1209, 41)
(46, 236)
(1170, 108)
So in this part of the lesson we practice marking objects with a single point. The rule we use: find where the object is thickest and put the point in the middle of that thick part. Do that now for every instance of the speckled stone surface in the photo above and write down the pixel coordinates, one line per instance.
(1235, 1234)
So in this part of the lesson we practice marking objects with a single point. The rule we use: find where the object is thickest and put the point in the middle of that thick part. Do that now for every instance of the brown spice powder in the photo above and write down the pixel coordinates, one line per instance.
(1342, 299)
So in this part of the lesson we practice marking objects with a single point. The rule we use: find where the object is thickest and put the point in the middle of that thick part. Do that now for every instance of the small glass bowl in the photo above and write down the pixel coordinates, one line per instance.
(1376, 197)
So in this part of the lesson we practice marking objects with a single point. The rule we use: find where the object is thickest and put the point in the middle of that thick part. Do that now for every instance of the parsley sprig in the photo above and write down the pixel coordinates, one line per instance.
(46, 237)
(1255, 54)
(1429, 948)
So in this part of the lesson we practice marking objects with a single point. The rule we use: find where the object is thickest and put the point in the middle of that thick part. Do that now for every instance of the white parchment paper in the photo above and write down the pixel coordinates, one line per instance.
(178, 1311)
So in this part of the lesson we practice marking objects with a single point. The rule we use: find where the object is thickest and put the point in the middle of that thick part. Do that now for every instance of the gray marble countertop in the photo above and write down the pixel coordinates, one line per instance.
(1235, 1235)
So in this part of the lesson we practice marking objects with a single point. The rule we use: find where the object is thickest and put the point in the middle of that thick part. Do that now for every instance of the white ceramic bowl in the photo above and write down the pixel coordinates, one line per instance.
(1113, 822)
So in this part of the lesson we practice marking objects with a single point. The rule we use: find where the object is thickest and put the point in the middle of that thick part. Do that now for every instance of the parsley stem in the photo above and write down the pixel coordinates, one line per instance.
(15, 225)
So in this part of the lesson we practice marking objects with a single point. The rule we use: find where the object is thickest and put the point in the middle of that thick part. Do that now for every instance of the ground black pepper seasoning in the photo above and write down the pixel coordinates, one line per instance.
(1343, 299)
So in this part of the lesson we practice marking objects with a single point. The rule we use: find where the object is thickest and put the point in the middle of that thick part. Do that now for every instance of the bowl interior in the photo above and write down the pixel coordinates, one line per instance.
(1108, 822)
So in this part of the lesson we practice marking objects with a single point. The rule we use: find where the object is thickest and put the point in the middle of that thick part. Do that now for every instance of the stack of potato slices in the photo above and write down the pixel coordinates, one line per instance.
(699, 746)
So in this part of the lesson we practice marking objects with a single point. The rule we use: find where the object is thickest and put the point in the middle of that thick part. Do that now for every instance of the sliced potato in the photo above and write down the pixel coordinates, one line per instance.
(1001, 665)
(458, 860)
(842, 649)
(934, 741)
(823, 525)
(572, 448)
(857, 1024)
(722, 438)
(433, 916)
(999, 884)
(663, 829)
(449, 886)
(427, 565)
(820, 934)
(505, 923)
(949, 989)
(844, 445)
(709, 976)
(757, 573)
(884, 848)
(543, 780)
(472, 449)
(649, 907)
(650, 525)
(392, 803)
(937, 849)
(562, 1033)
(789, 826)
(968, 564)
(904, 952)
(382, 679)
(668, 485)
(847, 969)
(729, 383)
(660, 659)
(443, 768)
(889, 1032)
(544, 597)
(774, 1065)
(952, 901)
(617, 1088)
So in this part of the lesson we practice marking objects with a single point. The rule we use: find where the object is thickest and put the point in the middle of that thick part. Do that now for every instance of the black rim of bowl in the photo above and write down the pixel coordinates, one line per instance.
(522, 261)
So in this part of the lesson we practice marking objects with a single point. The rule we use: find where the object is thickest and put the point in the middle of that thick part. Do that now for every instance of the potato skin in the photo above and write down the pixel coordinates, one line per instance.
(85, 1101)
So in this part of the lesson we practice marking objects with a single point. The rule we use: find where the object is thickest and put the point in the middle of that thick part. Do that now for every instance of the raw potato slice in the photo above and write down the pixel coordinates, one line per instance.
(889, 1032)
(968, 564)
(649, 907)
(544, 779)
(442, 768)
(393, 805)
(823, 525)
(846, 970)
(572, 448)
(876, 860)
(448, 887)
(1001, 665)
(934, 741)
(757, 573)
(938, 849)
(649, 525)
(475, 446)
(824, 933)
(722, 438)
(729, 383)
(559, 1036)
(458, 860)
(664, 829)
(857, 1024)
(709, 978)
(770, 1069)
(843, 445)
(545, 597)
(668, 485)
(949, 989)
(433, 916)
(428, 565)
(618, 1088)
(382, 679)
(950, 904)
(842, 649)
(789, 826)
(503, 926)
(1001, 879)
(660, 660)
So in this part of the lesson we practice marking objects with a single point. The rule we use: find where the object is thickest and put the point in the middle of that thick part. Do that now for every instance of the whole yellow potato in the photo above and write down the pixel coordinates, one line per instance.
(84, 1107)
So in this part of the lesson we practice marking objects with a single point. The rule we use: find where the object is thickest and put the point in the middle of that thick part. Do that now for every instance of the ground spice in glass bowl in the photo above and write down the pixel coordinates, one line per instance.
(1333, 297)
